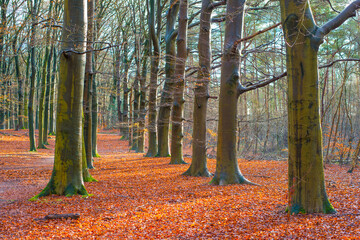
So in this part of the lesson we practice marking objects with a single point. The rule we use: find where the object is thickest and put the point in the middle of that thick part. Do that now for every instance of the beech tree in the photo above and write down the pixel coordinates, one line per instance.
(303, 38)
(227, 169)
(163, 122)
(67, 178)
(198, 165)
(179, 85)
(154, 36)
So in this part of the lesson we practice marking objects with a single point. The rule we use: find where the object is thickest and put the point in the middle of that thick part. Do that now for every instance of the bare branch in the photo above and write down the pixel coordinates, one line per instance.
(237, 42)
(348, 12)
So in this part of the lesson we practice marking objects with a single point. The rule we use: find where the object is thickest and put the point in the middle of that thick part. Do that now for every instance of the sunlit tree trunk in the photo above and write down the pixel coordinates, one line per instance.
(227, 169)
(179, 85)
(303, 37)
(198, 165)
(67, 178)
(166, 95)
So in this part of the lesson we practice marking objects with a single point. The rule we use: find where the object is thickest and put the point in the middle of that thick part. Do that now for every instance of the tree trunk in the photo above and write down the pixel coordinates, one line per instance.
(47, 97)
(20, 81)
(179, 85)
(306, 175)
(94, 117)
(198, 165)
(124, 130)
(32, 77)
(44, 82)
(67, 178)
(227, 169)
(52, 93)
(155, 59)
(88, 86)
(142, 106)
(42, 98)
(166, 95)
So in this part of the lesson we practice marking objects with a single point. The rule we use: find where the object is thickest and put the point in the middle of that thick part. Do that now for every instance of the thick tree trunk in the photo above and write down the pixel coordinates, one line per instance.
(198, 165)
(306, 175)
(67, 178)
(166, 95)
(227, 169)
(179, 85)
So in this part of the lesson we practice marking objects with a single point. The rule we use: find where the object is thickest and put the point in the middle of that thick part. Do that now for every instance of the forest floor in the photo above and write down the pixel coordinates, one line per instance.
(146, 198)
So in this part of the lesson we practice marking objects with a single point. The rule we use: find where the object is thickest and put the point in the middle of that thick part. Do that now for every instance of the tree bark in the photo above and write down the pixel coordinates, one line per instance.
(305, 171)
(34, 10)
(155, 60)
(198, 165)
(67, 178)
(227, 169)
(179, 85)
(166, 95)
(88, 85)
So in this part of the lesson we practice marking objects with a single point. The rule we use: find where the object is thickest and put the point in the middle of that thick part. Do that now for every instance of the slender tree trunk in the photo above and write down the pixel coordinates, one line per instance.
(166, 95)
(32, 77)
(136, 99)
(42, 100)
(67, 178)
(179, 85)
(118, 83)
(155, 59)
(52, 93)
(47, 98)
(142, 106)
(125, 124)
(20, 92)
(198, 165)
(227, 169)
(94, 117)
(3, 26)
(44, 82)
(88, 86)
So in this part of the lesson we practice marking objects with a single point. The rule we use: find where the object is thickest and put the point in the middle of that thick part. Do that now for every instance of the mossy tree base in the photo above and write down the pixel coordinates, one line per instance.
(96, 155)
(325, 208)
(226, 179)
(70, 190)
